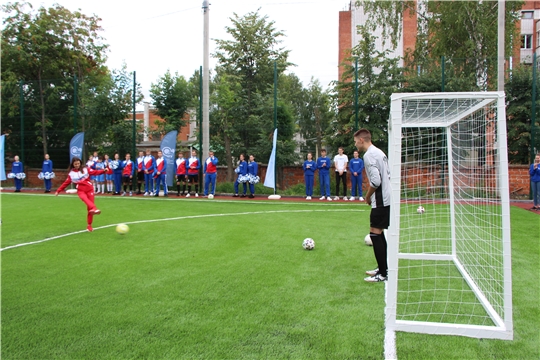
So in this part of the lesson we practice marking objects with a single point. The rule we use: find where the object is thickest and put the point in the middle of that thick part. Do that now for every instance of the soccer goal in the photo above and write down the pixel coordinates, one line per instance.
(449, 237)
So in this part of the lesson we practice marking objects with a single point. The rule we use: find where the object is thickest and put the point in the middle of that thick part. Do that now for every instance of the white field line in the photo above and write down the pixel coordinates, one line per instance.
(390, 350)
(177, 218)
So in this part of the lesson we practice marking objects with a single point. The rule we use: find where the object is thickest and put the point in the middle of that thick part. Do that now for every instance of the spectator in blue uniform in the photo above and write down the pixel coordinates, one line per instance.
(241, 170)
(17, 171)
(252, 170)
(47, 168)
(356, 166)
(534, 171)
(309, 168)
(323, 165)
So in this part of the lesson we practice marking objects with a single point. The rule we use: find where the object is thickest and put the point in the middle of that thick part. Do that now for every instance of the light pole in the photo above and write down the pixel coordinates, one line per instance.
(206, 79)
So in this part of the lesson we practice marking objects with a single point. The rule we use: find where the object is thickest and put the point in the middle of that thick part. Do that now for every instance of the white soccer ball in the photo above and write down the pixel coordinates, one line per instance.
(122, 229)
(210, 196)
(368, 241)
(308, 244)
(420, 210)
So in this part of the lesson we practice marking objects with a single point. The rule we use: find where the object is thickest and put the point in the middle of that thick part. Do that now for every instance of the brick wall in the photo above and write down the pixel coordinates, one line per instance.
(519, 180)
(344, 39)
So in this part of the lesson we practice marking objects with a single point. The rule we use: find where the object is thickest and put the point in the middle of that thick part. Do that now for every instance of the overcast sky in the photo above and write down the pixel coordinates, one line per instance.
(156, 35)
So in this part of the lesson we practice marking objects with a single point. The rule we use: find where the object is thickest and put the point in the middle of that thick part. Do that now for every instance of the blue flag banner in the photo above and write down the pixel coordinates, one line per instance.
(76, 146)
(168, 148)
(2, 158)
(270, 179)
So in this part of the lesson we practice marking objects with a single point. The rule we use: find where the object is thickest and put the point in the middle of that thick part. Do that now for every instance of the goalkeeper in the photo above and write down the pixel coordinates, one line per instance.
(378, 196)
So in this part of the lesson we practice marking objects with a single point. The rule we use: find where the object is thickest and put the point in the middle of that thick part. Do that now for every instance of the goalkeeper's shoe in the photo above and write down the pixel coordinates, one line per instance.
(376, 278)
(372, 272)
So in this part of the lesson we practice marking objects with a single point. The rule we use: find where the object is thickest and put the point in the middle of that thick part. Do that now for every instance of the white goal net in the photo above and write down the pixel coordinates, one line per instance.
(450, 264)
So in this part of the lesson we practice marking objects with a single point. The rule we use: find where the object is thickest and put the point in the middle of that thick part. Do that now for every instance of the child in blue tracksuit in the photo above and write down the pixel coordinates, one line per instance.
(117, 174)
(309, 168)
(47, 167)
(241, 170)
(16, 169)
(323, 165)
(356, 166)
(252, 169)
(534, 172)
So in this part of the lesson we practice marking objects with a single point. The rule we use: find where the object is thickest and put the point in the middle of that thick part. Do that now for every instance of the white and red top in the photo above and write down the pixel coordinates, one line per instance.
(161, 165)
(81, 178)
(193, 166)
(181, 166)
(211, 167)
(140, 160)
(128, 168)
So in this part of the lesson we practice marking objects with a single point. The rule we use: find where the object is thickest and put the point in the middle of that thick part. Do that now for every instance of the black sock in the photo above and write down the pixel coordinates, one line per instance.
(380, 249)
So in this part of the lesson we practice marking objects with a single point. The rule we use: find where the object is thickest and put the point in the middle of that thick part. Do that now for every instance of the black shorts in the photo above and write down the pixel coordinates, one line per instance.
(380, 217)
(140, 175)
(126, 179)
(193, 179)
(180, 178)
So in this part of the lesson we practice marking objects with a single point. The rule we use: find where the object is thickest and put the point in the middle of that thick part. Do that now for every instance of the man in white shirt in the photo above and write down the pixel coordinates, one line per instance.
(340, 163)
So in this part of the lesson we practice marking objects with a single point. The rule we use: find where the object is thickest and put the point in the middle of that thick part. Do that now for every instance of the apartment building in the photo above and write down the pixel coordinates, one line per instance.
(528, 27)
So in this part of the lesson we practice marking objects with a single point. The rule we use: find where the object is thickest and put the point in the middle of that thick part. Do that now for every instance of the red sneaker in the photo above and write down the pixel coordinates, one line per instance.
(95, 212)
(89, 228)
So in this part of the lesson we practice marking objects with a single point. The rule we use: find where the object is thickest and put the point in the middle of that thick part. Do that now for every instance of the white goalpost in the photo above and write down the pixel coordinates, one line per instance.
(450, 266)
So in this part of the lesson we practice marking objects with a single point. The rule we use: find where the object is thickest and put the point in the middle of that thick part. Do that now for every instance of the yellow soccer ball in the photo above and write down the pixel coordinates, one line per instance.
(122, 229)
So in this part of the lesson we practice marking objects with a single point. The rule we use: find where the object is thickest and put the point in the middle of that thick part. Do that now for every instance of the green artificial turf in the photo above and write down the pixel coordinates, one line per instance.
(215, 280)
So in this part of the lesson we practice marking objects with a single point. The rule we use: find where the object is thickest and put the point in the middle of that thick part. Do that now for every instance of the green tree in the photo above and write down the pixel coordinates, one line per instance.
(104, 108)
(250, 57)
(224, 117)
(317, 113)
(286, 146)
(171, 97)
(311, 107)
(518, 115)
(465, 32)
(378, 77)
(45, 49)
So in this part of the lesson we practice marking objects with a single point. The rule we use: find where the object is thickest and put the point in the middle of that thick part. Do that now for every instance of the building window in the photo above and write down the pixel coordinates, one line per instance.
(527, 14)
(526, 41)
(538, 39)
